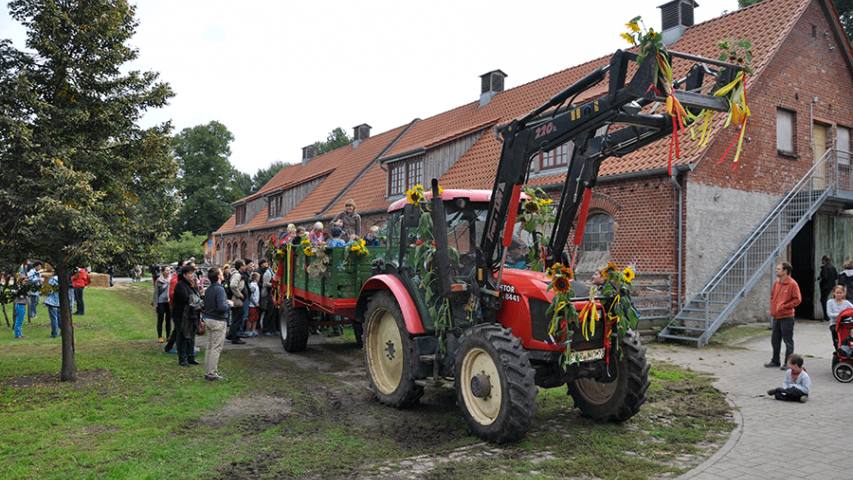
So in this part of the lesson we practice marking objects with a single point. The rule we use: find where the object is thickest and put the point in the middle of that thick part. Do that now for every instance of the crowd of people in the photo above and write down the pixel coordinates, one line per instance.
(28, 285)
(236, 305)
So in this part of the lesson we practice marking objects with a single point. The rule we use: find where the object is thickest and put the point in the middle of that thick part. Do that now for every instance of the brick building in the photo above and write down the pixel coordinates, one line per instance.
(682, 226)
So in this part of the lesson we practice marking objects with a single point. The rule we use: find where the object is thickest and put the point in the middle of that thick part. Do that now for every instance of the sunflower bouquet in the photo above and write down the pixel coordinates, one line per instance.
(318, 266)
(562, 313)
(620, 309)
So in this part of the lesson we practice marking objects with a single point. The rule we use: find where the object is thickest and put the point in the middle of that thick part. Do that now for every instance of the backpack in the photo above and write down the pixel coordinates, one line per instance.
(192, 315)
(226, 283)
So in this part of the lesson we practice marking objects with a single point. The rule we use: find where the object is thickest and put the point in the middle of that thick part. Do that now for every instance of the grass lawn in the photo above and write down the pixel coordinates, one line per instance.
(134, 413)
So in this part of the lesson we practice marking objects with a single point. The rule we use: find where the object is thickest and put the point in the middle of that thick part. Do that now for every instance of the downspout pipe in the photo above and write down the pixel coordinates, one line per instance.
(679, 263)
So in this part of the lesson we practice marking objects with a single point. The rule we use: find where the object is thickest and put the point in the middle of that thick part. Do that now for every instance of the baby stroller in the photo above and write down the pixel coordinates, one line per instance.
(842, 360)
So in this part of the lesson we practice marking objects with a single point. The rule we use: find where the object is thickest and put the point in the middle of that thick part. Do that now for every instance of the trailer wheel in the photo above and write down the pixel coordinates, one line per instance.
(293, 327)
(495, 385)
(621, 398)
(389, 353)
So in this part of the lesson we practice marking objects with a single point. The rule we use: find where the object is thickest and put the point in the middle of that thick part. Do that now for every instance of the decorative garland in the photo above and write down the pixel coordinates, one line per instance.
(735, 51)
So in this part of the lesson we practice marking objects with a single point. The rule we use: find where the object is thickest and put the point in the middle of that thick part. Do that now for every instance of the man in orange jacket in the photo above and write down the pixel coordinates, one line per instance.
(783, 298)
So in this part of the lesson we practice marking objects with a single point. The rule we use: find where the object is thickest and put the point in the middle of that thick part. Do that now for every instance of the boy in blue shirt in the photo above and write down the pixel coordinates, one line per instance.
(336, 238)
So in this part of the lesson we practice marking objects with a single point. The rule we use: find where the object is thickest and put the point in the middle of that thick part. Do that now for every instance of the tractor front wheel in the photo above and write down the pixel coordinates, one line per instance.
(389, 353)
(621, 398)
(495, 385)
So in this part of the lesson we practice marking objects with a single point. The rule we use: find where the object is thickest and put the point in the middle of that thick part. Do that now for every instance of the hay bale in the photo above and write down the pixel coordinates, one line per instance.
(101, 280)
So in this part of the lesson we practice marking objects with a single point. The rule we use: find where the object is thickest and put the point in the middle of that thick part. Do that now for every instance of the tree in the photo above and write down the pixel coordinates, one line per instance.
(243, 183)
(207, 182)
(845, 13)
(264, 175)
(337, 138)
(184, 247)
(78, 172)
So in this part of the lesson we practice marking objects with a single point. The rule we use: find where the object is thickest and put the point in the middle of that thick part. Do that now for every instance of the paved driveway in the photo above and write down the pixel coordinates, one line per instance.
(775, 439)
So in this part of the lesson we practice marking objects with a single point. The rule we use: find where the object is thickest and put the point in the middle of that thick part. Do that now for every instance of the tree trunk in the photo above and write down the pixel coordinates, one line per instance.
(66, 326)
(6, 316)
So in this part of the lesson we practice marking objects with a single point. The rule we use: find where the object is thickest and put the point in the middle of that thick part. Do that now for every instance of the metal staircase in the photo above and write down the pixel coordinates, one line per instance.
(710, 307)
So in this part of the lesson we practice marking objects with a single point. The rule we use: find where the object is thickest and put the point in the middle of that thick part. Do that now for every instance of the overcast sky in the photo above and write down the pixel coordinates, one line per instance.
(281, 75)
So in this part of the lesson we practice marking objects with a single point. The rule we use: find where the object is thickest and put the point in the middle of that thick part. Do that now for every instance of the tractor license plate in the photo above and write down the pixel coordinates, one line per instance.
(586, 355)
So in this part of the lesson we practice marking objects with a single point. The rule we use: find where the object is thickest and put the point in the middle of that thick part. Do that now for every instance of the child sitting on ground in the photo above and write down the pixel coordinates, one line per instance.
(254, 312)
(795, 387)
(336, 240)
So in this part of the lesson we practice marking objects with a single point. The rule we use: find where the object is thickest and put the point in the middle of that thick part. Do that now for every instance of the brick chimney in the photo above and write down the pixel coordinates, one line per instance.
(359, 133)
(676, 18)
(308, 153)
(491, 84)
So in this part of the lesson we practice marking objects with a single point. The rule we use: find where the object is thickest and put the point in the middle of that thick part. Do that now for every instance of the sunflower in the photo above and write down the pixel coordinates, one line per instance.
(629, 38)
(633, 26)
(309, 252)
(628, 274)
(414, 196)
(561, 284)
(531, 206)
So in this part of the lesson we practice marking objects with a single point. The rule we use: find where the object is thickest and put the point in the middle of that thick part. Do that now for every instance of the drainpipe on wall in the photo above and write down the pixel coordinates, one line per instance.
(680, 190)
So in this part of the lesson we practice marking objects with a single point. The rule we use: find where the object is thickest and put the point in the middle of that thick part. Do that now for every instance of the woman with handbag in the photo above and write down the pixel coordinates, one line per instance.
(217, 309)
(186, 300)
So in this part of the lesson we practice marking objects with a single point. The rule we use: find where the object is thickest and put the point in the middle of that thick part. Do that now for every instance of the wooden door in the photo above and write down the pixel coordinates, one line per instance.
(819, 142)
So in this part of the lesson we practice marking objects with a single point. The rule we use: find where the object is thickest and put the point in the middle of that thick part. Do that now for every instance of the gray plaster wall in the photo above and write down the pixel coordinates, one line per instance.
(717, 221)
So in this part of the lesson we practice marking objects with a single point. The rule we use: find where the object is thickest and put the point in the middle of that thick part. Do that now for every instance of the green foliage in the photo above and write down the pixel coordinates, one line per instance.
(186, 246)
(264, 175)
(77, 170)
(537, 218)
(243, 183)
(337, 138)
(207, 181)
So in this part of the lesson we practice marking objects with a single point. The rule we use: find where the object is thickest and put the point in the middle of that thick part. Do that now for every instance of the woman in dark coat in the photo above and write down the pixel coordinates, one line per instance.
(186, 334)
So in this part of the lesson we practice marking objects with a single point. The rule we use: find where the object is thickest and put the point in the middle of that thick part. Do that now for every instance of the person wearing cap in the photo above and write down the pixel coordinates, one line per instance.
(336, 240)
(351, 220)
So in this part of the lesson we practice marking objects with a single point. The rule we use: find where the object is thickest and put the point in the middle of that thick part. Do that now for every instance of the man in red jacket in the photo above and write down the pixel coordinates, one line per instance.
(79, 281)
(783, 298)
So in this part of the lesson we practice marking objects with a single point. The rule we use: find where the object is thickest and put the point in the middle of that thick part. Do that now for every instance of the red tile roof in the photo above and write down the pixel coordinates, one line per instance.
(766, 24)
(342, 167)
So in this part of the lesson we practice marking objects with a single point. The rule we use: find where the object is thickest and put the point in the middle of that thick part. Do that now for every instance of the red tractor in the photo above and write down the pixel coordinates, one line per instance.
(438, 303)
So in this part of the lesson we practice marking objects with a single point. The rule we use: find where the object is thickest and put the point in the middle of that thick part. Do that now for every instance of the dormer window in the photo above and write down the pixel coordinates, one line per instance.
(404, 175)
(240, 215)
(274, 206)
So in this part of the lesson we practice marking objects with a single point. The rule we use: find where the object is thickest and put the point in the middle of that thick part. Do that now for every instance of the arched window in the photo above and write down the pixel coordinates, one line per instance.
(261, 250)
(244, 250)
(598, 233)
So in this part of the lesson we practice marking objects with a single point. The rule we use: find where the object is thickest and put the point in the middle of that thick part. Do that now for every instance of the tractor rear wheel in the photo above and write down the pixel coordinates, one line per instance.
(619, 399)
(389, 353)
(294, 328)
(495, 385)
